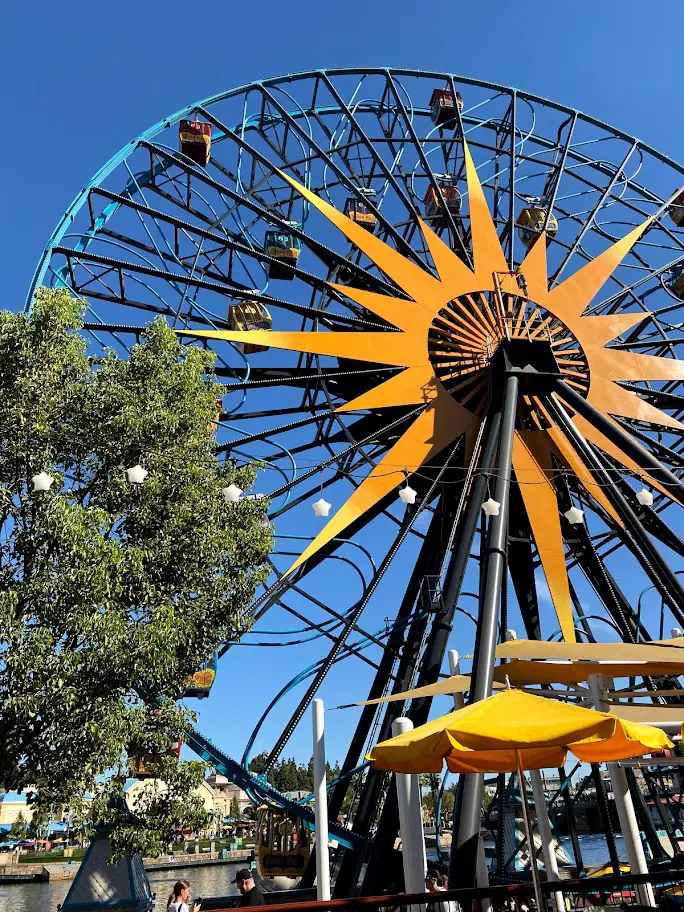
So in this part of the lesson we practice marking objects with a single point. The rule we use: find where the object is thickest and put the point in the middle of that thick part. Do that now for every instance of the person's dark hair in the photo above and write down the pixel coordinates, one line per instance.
(178, 888)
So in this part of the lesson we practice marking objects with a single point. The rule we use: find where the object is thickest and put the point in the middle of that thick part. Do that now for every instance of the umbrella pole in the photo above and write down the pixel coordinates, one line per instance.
(530, 835)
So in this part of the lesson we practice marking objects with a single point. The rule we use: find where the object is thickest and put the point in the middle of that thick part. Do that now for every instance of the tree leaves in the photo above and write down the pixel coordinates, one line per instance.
(111, 593)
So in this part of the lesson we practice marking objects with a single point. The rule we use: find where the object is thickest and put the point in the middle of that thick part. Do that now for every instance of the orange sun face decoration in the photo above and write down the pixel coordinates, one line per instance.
(448, 331)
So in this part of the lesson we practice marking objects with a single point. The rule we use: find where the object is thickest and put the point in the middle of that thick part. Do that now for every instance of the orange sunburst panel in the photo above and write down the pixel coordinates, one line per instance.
(532, 466)
(399, 349)
(411, 387)
(441, 423)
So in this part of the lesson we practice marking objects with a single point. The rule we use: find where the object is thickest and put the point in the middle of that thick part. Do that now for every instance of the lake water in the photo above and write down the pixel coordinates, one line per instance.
(214, 880)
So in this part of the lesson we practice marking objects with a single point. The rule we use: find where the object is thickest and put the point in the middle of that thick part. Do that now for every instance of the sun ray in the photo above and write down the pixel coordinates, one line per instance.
(455, 276)
(568, 455)
(603, 329)
(572, 297)
(487, 253)
(590, 433)
(533, 468)
(615, 364)
(399, 349)
(411, 387)
(441, 423)
(612, 399)
(409, 316)
(418, 283)
(533, 267)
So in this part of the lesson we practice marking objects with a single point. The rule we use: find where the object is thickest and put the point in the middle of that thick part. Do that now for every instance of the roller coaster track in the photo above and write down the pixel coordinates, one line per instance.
(234, 771)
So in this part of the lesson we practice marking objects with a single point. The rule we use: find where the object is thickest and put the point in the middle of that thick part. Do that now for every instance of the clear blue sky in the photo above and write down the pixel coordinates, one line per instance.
(81, 79)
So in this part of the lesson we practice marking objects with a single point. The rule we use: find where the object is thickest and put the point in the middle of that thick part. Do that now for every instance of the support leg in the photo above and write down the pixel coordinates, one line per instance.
(466, 835)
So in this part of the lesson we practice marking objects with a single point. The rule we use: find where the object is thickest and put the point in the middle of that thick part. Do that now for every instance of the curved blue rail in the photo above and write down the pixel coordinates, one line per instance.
(234, 771)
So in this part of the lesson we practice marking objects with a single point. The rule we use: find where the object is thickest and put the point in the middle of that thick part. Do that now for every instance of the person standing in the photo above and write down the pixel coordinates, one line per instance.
(179, 899)
(251, 894)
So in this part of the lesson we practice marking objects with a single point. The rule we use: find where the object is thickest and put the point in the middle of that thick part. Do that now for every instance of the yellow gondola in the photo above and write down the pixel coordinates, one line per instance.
(283, 843)
(247, 315)
(140, 767)
(530, 224)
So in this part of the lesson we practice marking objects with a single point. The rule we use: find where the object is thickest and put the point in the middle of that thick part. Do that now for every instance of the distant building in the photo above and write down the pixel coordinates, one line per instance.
(223, 792)
(11, 805)
(216, 792)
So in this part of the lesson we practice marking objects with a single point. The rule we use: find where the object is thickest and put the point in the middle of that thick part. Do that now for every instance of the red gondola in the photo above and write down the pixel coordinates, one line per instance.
(443, 105)
(677, 209)
(195, 140)
(433, 202)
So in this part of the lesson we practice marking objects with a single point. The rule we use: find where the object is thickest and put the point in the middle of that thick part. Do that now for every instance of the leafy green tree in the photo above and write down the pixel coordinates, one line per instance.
(38, 825)
(111, 592)
(235, 808)
(19, 829)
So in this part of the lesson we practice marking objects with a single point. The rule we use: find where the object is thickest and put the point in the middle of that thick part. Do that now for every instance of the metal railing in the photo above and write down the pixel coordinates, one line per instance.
(607, 891)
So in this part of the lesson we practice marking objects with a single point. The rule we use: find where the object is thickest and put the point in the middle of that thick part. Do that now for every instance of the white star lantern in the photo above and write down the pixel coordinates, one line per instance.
(491, 507)
(321, 507)
(42, 481)
(574, 516)
(645, 498)
(407, 495)
(232, 493)
(136, 474)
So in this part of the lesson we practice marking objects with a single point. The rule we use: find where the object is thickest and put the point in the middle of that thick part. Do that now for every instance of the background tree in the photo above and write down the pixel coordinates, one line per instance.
(235, 808)
(39, 824)
(111, 593)
(19, 829)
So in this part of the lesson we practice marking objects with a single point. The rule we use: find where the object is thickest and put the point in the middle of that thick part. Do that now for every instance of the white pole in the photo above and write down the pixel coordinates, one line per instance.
(410, 821)
(544, 825)
(320, 803)
(481, 872)
(455, 669)
(624, 806)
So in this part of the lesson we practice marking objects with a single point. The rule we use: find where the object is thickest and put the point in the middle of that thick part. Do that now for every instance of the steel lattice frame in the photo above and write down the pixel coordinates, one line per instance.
(153, 233)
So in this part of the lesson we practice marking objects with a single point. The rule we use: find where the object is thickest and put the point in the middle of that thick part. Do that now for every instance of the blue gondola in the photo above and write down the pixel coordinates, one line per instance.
(285, 247)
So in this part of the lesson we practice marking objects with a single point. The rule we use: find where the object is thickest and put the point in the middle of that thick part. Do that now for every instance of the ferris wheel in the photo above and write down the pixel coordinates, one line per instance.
(426, 294)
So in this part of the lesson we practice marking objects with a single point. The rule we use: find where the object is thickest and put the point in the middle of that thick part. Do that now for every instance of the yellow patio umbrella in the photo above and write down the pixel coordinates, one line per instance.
(515, 730)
